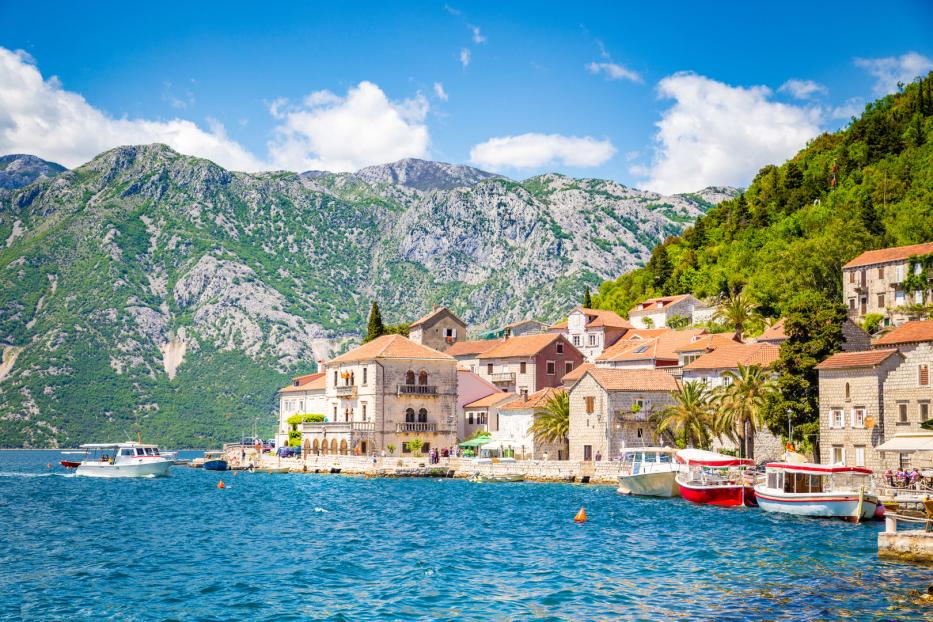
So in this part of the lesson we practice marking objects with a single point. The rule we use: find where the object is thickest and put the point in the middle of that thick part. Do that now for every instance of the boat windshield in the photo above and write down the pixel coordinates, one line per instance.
(802, 482)
(646, 456)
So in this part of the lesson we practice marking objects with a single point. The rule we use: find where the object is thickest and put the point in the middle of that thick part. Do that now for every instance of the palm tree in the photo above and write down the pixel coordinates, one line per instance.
(552, 421)
(738, 312)
(690, 417)
(741, 405)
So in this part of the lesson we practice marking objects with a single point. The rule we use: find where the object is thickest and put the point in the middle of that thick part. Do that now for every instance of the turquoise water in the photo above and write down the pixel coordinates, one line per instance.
(297, 547)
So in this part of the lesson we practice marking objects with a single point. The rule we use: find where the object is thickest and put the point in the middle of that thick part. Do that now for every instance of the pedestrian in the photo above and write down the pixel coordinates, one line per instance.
(599, 456)
(383, 452)
(374, 458)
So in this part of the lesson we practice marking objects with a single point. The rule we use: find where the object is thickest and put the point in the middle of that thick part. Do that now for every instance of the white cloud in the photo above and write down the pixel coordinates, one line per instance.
(890, 70)
(363, 128)
(40, 117)
(803, 89)
(613, 71)
(478, 37)
(536, 150)
(717, 134)
(851, 108)
(439, 91)
(465, 57)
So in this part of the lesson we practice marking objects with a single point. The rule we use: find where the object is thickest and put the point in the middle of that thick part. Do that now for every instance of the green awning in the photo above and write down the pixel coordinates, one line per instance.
(476, 442)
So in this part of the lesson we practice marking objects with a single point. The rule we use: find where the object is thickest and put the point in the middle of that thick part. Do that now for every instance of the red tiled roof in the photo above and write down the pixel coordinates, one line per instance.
(491, 400)
(867, 358)
(574, 375)
(910, 332)
(729, 357)
(536, 400)
(465, 348)
(308, 382)
(434, 312)
(883, 255)
(596, 318)
(663, 347)
(633, 379)
(652, 304)
(390, 347)
(522, 346)
(775, 332)
(709, 342)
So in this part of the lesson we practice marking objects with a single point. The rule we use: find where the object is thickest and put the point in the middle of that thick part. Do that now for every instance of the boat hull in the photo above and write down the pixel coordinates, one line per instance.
(147, 468)
(214, 465)
(724, 494)
(657, 484)
(820, 505)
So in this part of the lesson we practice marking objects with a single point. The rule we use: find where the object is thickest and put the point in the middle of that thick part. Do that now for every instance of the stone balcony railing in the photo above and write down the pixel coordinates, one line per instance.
(628, 415)
(346, 391)
(507, 376)
(417, 389)
(337, 427)
(415, 427)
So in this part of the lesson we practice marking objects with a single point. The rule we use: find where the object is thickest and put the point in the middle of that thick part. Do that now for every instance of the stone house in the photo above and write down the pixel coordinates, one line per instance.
(467, 352)
(611, 409)
(527, 364)
(513, 427)
(524, 327)
(854, 339)
(471, 387)
(483, 414)
(389, 391)
(439, 329)
(304, 396)
(873, 282)
(853, 418)
(656, 312)
(592, 330)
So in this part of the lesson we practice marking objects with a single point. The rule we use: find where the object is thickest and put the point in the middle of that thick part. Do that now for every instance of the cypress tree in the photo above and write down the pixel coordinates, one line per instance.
(587, 300)
(375, 328)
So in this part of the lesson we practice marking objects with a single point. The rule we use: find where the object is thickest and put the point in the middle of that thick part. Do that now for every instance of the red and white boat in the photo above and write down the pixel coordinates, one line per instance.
(715, 479)
(807, 489)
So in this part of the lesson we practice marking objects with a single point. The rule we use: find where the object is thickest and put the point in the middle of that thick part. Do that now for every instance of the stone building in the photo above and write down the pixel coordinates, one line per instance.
(513, 428)
(610, 410)
(657, 312)
(467, 352)
(853, 421)
(439, 329)
(527, 364)
(592, 330)
(873, 282)
(711, 367)
(389, 391)
(304, 396)
(854, 339)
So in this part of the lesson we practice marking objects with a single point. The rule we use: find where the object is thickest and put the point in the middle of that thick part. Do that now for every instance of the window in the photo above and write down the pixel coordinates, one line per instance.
(365, 369)
(881, 301)
(880, 272)
(335, 377)
(641, 349)
(640, 403)
(423, 378)
(852, 276)
(858, 417)
(924, 411)
(422, 415)
(335, 413)
(587, 452)
(470, 418)
(924, 375)
(898, 298)
(523, 391)
(363, 406)
(592, 340)
(409, 377)
(836, 419)
(839, 454)
(902, 413)
(409, 415)
(859, 455)
(489, 368)
(905, 461)
(405, 448)
(523, 368)
(639, 432)
(847, 391)
(560, 347)
(568, 367)
(851, 304)
(589, 399)
(576, 340)
(550, 368)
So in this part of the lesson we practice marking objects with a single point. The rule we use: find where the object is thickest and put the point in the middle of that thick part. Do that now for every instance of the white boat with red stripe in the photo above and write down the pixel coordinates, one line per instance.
(123, 460)
(819, 490)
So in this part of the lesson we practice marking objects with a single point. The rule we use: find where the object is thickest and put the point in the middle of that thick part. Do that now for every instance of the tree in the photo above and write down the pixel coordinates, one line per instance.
(871, 220)
(552, 421)
(587, 299)
(689, 419)
(415, 446)
(660, 267)
(375, 328)
(738, 312)
(678, 322)
(391, 448)
(741, 405)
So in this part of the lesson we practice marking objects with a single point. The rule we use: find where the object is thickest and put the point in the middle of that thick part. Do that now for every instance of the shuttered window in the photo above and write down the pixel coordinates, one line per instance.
(924, 375)
(589, 404)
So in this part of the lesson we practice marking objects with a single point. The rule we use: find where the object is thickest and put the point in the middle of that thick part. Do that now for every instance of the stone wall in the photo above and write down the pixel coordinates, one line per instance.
(903, 387)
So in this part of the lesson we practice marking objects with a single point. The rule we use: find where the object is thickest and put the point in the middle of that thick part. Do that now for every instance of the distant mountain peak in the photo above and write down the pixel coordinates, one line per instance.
(18, 170)
(424, 174)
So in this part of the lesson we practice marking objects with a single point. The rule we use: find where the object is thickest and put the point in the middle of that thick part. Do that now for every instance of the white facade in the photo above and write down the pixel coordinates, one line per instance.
(656, 312)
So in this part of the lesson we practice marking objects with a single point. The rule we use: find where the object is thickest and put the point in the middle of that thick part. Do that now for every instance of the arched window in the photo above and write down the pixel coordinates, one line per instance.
(410, 377)
(423, 378)
(422, 416)
(409, 415)
(847, 390)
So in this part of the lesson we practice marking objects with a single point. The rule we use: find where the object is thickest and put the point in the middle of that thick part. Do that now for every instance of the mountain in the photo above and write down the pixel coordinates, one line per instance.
(154, 291)
(18, 170)
(792, 230)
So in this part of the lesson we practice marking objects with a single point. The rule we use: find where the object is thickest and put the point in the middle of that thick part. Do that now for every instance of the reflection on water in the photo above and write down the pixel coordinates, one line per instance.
(280, 547)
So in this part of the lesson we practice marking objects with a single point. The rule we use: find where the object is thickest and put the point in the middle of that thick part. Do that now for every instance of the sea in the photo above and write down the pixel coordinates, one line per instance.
(332, 547)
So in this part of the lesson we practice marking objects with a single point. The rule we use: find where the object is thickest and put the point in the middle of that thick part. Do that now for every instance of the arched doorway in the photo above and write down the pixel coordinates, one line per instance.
(306, 447)
(343, 447)
(316, 447)
(410, 377)
(409, 415)
(333, 446)
(423, 378)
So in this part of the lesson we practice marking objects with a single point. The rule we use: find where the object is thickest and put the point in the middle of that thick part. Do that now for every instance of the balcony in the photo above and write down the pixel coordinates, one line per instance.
(417, 389)
(503, 377)
(627, 415)
(415, 427)
(337, 427)
(347, 392)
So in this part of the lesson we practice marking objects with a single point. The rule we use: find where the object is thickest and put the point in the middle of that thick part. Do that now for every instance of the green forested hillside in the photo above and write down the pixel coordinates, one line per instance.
(791, 231)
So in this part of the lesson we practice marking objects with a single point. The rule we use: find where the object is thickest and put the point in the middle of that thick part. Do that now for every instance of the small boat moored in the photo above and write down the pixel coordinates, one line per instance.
(496, 479)
(819, 490)
(110, 460)
(649, 471)
(710, 478)
(214, 461)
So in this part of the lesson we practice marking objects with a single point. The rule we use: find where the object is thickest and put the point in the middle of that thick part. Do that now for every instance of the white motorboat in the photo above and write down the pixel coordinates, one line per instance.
(122, 460)
(649, 471)
(806, 489)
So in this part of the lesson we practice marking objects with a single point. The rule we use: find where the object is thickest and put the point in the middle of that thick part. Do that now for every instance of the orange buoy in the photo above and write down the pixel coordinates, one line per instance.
(221, 485)
(581, 516)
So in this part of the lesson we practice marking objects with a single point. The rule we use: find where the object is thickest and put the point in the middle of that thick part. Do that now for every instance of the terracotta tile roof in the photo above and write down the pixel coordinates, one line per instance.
(558, 326)
(910, 332)
(867, 358)
(308, 382)
(729, 357)
(390, 347)
(775, 332)
(646, 333)
(491, 400)
(536, 400)
(633, 379)
(465, 348)
(597, 318)
(576, 374)
(662, 347)
(652, 304)
(883, 255)
(709, 343)
(523, 346)
(434, 313)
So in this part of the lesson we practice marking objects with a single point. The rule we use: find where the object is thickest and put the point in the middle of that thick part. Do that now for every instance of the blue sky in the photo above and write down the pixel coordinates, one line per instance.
(670, 99)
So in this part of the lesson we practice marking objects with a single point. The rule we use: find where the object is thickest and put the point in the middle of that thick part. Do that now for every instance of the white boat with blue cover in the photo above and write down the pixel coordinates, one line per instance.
(112, 460)
(819, 490)
(649, 471)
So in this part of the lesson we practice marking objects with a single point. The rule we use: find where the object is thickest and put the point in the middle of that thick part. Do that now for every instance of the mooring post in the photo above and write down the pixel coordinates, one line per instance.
(890, 523)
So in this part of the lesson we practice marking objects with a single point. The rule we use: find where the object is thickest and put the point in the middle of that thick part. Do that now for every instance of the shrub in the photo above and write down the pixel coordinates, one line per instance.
(872, 323)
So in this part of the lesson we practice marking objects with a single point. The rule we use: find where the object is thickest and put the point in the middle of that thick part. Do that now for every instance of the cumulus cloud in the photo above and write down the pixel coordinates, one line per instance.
(478, 37)
(890, 70)
(536, 150)
(718, 134)
(362, 128)
(439, 91)
(40, 117)
(803, 89)
(465, 57)
(613, 71)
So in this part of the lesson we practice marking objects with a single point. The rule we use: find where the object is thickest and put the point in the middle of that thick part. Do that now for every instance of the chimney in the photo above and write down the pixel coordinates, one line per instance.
(320, 366)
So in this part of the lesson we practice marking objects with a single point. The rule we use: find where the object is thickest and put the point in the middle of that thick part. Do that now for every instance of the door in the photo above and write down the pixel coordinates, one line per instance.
(587, 452)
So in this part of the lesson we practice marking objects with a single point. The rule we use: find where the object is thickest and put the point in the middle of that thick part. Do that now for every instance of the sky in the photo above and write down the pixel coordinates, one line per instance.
(671, 97)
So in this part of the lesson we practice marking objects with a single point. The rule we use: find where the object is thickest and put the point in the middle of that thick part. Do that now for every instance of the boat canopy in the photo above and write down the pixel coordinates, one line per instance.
(909, 442)
(701, 457)
(649, 450)
(112, 445)
(819, 469)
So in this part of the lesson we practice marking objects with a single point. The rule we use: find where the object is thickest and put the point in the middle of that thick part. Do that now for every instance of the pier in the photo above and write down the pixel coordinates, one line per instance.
(913, 545)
